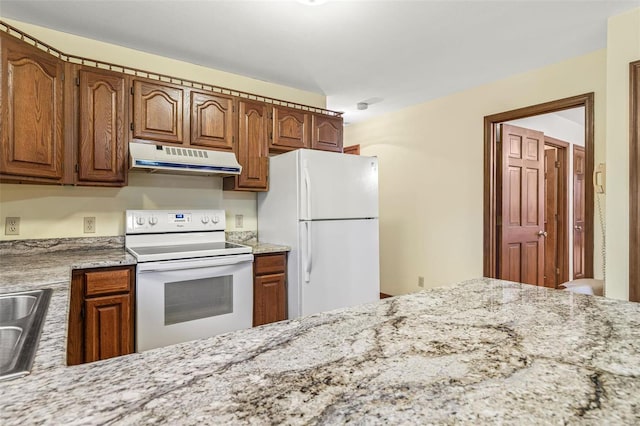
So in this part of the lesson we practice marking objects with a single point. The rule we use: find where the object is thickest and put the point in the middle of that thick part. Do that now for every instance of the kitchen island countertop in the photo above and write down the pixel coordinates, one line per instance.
(481, 351)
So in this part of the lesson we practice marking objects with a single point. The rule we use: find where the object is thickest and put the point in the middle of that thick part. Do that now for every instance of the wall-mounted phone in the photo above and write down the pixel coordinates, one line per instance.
(599, 178)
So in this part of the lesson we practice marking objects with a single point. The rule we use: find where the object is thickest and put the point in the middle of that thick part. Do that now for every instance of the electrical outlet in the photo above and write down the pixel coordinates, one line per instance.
(239, 220)
(12, 226)
(421, 282)
(89, 225)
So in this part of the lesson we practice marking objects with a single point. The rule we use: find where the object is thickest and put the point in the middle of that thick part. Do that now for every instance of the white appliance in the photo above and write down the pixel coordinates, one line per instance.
(177, 160)
(325, 206)
(190, 283)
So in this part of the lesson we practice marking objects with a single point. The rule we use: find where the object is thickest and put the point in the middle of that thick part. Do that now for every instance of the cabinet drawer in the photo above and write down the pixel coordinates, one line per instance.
(107, 282)
(269, 263)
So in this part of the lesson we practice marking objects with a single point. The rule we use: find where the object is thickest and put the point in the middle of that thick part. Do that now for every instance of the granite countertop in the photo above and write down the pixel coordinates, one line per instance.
(250, 238)
(481, 351)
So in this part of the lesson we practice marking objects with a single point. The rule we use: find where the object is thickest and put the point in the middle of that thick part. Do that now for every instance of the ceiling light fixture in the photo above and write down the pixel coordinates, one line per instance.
(362, 106)
(312, 2)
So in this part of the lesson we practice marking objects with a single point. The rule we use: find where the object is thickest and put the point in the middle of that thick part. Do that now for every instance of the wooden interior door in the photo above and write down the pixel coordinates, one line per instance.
(551, 180)
(521, 224)
(578, 212)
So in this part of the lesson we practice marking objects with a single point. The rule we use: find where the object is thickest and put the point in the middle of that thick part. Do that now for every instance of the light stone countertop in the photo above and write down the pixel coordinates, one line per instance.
(480, 352)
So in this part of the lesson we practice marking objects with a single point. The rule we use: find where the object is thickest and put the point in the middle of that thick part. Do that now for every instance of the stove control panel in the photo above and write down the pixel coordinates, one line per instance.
(160, 221)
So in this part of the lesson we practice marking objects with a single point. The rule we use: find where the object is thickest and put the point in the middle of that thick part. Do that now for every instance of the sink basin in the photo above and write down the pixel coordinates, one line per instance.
(15, 307)
(9, 336)
(21, 319)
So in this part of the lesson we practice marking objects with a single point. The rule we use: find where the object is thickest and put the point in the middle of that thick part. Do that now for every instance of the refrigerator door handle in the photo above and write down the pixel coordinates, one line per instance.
(307, 184)
(307, 271)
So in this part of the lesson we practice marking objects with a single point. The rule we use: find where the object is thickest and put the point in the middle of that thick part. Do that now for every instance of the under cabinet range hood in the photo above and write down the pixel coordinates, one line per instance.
(177, 160)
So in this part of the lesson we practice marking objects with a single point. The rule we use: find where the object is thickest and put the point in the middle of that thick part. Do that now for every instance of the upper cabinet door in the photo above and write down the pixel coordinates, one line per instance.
(252, 145)
(291, 129)
(32, 111)
(102, 152)
(211, 121)
(158, 112)
(327, 133)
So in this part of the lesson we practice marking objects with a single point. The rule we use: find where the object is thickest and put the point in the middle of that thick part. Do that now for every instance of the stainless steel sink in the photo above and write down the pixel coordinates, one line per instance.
(21, 319)
(15, 307)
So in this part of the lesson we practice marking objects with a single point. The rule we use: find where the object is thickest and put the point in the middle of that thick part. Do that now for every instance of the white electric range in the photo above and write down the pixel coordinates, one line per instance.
(190, 282)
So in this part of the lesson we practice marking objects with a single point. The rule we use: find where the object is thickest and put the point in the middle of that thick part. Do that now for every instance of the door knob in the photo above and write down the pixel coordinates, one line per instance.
(542, 233)
(577, 228)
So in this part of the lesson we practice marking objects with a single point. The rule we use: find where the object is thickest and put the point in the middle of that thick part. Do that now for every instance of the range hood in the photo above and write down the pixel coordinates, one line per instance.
(177, 160)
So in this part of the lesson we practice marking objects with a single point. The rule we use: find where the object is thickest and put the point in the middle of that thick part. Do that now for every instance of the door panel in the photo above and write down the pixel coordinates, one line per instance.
(343, 264)
(108, 327)
(102, 148)
(211, 121)
(31, 109)
(339, 186)
(158, 112)
(253, 145)
(551, 183)
(326, 133)
(291, 129)
(578, 212)
(521, 246)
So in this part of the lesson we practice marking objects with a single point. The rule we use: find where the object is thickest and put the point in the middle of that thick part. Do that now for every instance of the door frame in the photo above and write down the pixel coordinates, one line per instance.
(563, 205)
(490, 226)
(634, 181)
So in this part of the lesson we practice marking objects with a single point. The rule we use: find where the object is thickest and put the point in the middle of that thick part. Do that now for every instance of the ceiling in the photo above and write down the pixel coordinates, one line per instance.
(389, 54)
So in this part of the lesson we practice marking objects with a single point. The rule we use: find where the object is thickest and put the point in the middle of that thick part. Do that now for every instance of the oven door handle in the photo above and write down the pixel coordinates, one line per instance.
(178, 265)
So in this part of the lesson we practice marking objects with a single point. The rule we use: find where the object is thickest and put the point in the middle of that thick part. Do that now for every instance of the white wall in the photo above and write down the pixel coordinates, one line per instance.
(623, 47)
(431, 170)
(58, 211)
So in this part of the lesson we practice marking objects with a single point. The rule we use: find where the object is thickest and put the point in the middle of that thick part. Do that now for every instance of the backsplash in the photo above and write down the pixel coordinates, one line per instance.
(48, 245)
(48, 211)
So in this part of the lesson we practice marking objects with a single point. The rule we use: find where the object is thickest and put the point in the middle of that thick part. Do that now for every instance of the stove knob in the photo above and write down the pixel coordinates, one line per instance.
(205, 219)
(215, 219)
(140, 220)
(153, 220)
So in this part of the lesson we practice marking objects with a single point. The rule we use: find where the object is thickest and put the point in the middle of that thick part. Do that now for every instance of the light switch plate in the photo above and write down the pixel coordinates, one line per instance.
(239, 220)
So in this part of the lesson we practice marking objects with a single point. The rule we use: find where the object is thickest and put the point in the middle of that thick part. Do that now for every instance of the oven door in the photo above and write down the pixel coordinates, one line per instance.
(181, 300)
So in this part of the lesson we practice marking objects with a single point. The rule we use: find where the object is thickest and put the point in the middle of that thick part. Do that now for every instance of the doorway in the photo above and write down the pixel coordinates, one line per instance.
(528, 254)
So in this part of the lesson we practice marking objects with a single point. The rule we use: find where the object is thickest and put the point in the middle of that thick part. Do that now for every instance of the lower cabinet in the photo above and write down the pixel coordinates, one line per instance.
(101, 314)
(269, 288)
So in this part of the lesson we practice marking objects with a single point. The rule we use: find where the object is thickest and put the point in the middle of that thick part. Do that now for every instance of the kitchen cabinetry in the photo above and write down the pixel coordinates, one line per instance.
(212, 121)
(101, 314)
(159, 112)
(102, 148)
(252, 148)
(269, 288)
(32, 113)
(326, 133)
(291, 129)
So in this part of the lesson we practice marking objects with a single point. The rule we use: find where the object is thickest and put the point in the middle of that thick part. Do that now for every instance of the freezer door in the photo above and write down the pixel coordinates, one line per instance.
(339, 264)
(337, 186)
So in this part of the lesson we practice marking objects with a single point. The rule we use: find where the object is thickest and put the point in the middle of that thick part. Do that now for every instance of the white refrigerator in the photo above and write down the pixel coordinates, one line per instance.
(325, 206)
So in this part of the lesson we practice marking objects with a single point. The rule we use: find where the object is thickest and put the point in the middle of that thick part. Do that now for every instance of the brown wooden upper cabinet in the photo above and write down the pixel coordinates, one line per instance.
(159, 112)
(291, 129)
(326, 133)
(32, 113)
(252, 148)
(211, 120)
(102, 147)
